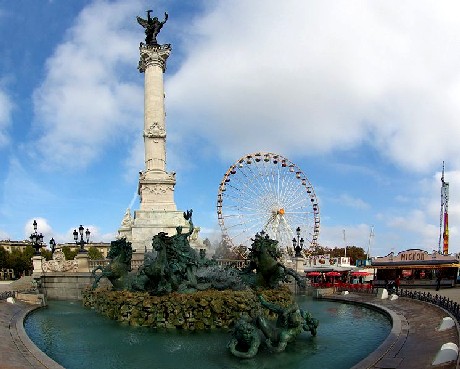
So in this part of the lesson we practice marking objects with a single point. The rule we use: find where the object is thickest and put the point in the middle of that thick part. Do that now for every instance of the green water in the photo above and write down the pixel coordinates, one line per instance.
(77, 337)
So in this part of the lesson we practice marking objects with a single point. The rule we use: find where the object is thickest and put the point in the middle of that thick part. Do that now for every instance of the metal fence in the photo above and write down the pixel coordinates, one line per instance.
(444, 302)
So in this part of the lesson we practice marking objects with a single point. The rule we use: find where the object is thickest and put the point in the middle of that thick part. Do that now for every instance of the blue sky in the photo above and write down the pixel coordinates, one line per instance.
(362, 96)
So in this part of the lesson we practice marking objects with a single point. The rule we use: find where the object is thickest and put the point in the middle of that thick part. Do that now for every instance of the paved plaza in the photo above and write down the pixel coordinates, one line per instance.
(413, 342)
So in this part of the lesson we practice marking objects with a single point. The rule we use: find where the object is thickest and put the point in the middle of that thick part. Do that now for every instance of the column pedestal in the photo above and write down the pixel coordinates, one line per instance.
(37, 261)
(83, 264)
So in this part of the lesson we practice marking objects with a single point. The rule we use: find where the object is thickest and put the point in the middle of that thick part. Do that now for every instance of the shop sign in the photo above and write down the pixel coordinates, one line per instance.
(413, 255)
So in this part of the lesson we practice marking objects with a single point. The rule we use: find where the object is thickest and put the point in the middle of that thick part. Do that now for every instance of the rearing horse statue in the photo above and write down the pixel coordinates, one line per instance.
(263, 258)
(117, 270)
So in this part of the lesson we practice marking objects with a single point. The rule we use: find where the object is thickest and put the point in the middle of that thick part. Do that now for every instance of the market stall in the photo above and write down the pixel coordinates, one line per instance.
(417, 268)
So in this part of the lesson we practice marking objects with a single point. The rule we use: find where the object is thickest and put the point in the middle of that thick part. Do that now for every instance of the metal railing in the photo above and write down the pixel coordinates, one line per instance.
(238, 264)
(135, 264)
(94, 263)
(441, 301)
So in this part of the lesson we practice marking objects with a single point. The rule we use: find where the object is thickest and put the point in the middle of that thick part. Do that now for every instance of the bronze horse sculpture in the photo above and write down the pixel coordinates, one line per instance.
(118, 268)
(264, 258)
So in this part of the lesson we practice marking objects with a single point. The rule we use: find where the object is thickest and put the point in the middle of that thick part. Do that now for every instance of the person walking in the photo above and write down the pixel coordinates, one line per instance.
(438, 282)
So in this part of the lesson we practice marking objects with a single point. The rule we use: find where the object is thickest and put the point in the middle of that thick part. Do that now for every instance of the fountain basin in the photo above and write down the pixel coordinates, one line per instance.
(76, 337)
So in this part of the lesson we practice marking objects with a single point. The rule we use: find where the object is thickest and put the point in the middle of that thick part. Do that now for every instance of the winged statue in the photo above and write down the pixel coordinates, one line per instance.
(152, 27)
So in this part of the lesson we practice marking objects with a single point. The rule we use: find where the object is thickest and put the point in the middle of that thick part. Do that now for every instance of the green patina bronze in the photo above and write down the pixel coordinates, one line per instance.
(290, 322)
(175, 267)
(117, 271)
(264, 269)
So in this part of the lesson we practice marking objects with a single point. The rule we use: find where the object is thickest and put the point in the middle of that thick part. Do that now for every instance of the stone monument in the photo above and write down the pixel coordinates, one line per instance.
(158, 211)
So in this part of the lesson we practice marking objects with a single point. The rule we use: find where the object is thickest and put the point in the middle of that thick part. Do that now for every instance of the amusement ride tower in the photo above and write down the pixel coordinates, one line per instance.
(444, 216)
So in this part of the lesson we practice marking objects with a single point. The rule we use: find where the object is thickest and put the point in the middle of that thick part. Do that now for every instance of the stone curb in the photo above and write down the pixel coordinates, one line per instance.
(395, 338)
(24, 344)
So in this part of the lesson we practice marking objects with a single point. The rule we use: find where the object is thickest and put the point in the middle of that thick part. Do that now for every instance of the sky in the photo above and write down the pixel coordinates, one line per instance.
(362, 96)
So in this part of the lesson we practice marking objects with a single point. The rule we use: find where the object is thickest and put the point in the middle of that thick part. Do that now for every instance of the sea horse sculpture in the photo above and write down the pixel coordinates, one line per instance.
(174, 268)
(289, 324)
(263, 258)
(117, 270)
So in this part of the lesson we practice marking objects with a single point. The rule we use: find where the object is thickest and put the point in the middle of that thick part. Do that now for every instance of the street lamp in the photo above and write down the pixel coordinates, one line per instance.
(36, 239)
(81, 242)
(298, 243)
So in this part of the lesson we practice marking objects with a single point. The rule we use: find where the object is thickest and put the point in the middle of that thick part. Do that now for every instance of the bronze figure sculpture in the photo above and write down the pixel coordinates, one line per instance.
(152, 27)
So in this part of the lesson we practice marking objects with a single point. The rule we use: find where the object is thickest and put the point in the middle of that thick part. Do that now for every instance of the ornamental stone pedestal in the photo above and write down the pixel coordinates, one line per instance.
(37, 262)
(158, 211)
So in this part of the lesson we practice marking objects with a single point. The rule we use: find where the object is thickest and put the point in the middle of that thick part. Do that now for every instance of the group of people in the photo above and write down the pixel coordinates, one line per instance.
(393, 286)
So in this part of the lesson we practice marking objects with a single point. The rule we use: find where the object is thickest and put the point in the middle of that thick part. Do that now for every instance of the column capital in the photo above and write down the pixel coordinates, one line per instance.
(153, 55)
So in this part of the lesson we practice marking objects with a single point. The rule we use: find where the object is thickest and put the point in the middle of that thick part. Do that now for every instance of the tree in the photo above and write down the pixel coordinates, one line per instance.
(4, 258)
(21, 261)
(354, 252)
(46, 253)
(94, 253)
(69, 253)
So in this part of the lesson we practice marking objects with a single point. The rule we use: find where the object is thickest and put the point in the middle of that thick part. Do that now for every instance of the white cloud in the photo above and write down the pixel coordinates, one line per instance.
(42, 227)
(97, 236)
(352, 202)
(4, 235)
(355, 235)
(305, 76)
(6, 107)
(85, 101)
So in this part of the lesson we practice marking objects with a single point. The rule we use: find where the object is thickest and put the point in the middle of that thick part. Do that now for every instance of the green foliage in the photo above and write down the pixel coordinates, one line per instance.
(21, 261)
(4, 258)
(46, 254)
(69, 253)
(94, 253)
(353, 252)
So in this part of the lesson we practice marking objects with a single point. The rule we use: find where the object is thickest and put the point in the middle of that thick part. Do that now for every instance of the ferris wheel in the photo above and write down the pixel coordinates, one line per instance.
(267, 192)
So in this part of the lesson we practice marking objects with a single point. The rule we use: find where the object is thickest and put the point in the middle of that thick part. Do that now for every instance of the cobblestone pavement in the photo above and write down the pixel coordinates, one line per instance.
(412, 343)
(414, 340)
(16, 349)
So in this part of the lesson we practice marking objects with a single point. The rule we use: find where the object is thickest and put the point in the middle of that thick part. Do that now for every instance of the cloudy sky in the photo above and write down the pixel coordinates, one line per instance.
(362, 96)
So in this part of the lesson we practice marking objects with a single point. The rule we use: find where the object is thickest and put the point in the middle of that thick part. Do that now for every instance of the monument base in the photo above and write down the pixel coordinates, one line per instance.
(146, 224)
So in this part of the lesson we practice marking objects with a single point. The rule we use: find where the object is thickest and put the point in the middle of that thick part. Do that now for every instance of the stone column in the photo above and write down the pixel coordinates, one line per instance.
(156, 186)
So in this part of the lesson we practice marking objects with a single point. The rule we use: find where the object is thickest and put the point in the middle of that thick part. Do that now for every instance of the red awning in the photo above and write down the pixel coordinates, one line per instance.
(333, 274)
(313, 274)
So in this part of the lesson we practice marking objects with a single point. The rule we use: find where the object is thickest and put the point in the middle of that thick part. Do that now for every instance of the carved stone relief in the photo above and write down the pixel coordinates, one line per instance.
(60, 264)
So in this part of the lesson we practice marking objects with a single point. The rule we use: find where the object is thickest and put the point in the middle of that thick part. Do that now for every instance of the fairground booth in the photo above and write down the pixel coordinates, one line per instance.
(416, 268)
(326, 271)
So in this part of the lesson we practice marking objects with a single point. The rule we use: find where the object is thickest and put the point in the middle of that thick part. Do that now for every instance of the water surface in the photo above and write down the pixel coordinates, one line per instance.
(79, 338)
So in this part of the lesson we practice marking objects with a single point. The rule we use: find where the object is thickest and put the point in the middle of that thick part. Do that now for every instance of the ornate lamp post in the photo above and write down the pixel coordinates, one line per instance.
(36, 239)
(298, 243)
(81, 242)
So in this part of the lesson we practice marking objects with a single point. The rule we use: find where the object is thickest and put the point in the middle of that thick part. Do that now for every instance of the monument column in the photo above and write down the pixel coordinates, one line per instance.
(158, 211)
(156, 186)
